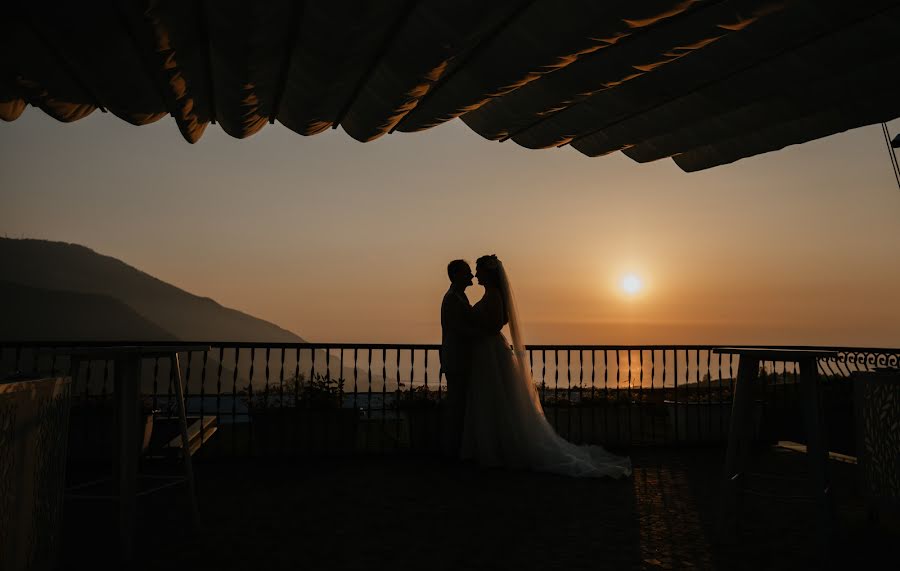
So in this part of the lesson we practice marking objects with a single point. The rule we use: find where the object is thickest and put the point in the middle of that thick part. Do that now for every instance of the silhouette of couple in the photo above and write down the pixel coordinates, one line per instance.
(494, 416)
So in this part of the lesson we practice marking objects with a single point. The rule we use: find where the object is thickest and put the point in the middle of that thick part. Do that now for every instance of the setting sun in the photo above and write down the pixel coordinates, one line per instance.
(631, 284)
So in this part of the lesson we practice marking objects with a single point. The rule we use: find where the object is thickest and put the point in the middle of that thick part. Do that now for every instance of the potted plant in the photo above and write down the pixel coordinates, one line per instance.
(300, 415)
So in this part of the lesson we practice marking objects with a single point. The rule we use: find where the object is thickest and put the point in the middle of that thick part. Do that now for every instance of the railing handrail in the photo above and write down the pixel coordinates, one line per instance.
(604, 391)
(435, 346)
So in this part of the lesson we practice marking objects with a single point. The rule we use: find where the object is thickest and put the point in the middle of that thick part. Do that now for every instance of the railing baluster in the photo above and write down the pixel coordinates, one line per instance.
(187, 383)
(556, 389)
(355, 379)
(593, 397)
(281, 379)
(544, 375)
(531, 363)
(617, 417)
(297, 379)
(581, 395)
(731, 374)
(425, 364)
(720, 400)
(571, 409)
(675, 394)
(234, 399)
(674, 406)
(697, 394)
(641, 406)
(186, 387)
(383, 396)
(281, 448)
(411, 393)
(651, 405)
(630, 397)
(708, 394)
(327, 378)
(250, 391)
(440, 380)
(767, 387)
(439, 423)
(308, 430)
(397, 401)
(340, 387)
(203, 397)
(327, 350)
(341, 378)
(266, 379)
(219, 383)
(606, 403)
(369, 396)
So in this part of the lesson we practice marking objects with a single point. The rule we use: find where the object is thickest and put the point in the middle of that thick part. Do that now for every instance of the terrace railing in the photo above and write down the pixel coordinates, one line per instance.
(283, 398)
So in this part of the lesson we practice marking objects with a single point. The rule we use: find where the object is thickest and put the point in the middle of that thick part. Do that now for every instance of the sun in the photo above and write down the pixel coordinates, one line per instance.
(631, 284)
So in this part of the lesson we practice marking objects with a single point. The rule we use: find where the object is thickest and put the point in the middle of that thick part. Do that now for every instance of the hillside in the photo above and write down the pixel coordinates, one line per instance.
(54, 291)
(33, 314)
(60, 266)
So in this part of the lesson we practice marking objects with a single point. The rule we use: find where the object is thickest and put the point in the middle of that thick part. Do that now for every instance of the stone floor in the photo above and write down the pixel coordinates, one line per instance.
(403, 512)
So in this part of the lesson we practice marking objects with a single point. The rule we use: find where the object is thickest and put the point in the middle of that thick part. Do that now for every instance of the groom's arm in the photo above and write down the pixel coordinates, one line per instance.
(461, 319)
(470, 324)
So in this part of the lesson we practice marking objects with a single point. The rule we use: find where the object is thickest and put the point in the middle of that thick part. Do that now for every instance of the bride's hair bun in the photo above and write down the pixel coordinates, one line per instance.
(488, 262)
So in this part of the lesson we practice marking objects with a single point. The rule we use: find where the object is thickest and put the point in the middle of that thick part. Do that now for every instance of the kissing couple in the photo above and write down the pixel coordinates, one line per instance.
(495, 417)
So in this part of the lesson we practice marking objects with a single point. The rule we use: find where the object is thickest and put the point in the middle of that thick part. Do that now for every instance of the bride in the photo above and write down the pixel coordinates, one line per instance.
(504, 422)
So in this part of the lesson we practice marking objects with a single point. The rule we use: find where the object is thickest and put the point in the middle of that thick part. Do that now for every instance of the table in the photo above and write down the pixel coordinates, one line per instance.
(739, 434)
(127, 380)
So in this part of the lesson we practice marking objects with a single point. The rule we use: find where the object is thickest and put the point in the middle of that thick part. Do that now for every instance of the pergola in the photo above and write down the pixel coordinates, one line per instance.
(705, 82)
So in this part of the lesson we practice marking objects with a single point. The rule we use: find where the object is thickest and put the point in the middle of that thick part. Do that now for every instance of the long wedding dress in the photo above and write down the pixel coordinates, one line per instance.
(504, 422)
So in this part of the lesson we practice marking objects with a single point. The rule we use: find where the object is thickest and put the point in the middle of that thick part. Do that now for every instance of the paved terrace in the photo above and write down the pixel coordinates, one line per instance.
(416, 512)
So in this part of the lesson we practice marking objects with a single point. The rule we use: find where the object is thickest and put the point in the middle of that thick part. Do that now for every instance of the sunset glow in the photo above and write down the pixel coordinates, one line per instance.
(631, 284)
(315, 254)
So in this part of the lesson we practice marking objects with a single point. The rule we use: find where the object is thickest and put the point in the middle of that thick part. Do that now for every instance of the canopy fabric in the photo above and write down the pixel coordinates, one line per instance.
(705, 82)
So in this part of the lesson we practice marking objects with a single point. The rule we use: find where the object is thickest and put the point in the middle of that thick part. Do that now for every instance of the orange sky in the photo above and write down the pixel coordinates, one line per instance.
(340, 241)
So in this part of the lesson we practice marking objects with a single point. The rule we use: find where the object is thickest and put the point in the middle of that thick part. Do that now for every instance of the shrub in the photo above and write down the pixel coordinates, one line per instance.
(322, 391)
(420, 396)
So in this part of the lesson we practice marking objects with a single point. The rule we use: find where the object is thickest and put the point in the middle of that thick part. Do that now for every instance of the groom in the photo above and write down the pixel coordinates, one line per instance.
(456, 339)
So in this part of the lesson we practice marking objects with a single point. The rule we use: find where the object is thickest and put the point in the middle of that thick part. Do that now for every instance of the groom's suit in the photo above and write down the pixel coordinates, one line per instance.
(456, 360)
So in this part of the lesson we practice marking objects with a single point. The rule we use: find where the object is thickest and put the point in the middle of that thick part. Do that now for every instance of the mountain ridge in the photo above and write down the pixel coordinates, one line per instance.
(67, 267)
(36, 314)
